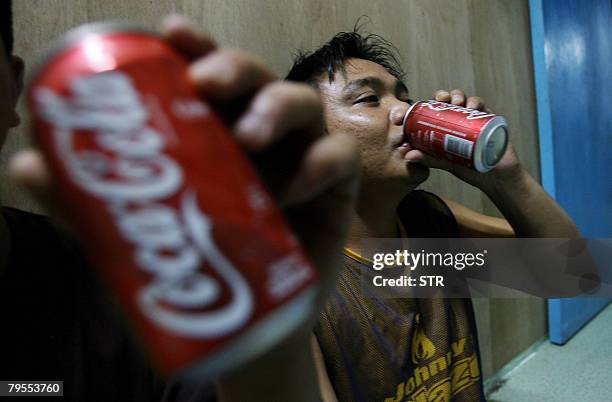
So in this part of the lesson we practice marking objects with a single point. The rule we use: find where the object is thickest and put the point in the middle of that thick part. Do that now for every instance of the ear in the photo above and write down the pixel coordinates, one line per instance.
(17, 73)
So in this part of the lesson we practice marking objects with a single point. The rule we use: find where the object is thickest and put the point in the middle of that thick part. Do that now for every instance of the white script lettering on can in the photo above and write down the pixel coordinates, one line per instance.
(472, 114)
(128, 171)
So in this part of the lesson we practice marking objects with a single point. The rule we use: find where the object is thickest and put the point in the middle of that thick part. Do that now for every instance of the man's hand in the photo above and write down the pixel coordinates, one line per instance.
(313, 177)
(508, 170)
(526, 206)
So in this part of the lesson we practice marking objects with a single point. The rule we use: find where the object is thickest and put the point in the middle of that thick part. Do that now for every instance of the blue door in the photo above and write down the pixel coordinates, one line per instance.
(572, 49)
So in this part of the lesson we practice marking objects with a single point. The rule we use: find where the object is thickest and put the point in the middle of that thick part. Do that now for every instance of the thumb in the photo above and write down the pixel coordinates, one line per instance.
(30, 170)
(418, 156)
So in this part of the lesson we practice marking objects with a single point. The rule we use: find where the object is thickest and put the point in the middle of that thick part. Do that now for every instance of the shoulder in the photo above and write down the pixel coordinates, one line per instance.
(424, 214)
(35, 229)
(38, 244)
(64, 324)
(14, 215)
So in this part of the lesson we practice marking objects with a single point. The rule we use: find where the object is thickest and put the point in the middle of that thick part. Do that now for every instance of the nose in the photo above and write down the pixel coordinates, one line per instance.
(398, 111)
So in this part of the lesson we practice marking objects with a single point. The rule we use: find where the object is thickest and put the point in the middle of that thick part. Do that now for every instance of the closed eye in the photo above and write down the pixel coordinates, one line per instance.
(367, 99)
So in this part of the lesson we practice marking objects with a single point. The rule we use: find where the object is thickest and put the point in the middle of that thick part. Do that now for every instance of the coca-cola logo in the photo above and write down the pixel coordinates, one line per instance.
(472, 114)
(128, 170)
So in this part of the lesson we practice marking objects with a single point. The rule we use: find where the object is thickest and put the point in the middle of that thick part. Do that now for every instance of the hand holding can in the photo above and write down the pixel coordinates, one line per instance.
(467, 137)
(172, 213)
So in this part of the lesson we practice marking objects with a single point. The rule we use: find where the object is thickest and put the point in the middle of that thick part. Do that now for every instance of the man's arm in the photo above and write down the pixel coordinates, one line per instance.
(327, 390)
(287, 373)
(296, 373)
(308, 173)
(529, 210)
(475, 224)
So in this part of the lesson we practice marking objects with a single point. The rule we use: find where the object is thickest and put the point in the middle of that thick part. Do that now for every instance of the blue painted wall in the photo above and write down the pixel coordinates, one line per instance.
(572, 48)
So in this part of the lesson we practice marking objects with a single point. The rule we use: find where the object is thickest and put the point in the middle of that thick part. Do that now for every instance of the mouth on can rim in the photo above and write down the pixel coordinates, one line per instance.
(407, 114)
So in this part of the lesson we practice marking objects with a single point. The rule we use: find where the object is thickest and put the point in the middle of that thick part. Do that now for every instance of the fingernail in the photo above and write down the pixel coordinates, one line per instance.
(207, 68)
(176, 21)
(310, 184)
(249, 124)
(252, 130)
(28, 166)
(22, 161)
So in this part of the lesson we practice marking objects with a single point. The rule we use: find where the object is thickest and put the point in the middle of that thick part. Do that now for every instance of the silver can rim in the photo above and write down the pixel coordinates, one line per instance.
(408, 113)
(480, 162)
(75, 35)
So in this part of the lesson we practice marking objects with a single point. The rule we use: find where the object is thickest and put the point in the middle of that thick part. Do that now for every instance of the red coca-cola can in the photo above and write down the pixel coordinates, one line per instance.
(171, 211)
(464, 136)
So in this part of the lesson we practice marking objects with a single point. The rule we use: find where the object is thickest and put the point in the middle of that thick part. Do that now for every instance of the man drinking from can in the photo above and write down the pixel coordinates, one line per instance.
(407, 349)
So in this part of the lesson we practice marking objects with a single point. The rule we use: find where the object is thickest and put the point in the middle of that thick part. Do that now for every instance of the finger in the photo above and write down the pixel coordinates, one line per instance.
(329, 161)
(457, 97)
(277, 109)
(29, 169)
(475, 102)
(326, 188)
(225, 75)
(179, 32)
(442, 96)
(418, 156)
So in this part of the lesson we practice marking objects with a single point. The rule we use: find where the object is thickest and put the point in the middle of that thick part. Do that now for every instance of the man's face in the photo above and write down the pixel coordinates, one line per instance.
(370, 103)
(11, 75)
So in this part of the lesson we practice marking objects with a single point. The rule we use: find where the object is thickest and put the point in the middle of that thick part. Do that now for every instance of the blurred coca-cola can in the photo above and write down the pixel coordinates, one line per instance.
(463, 136)
(171, 212)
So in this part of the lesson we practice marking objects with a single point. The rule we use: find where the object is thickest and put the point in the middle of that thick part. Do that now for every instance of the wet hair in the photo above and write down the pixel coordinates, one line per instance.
(332, 56)
(6, 25)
